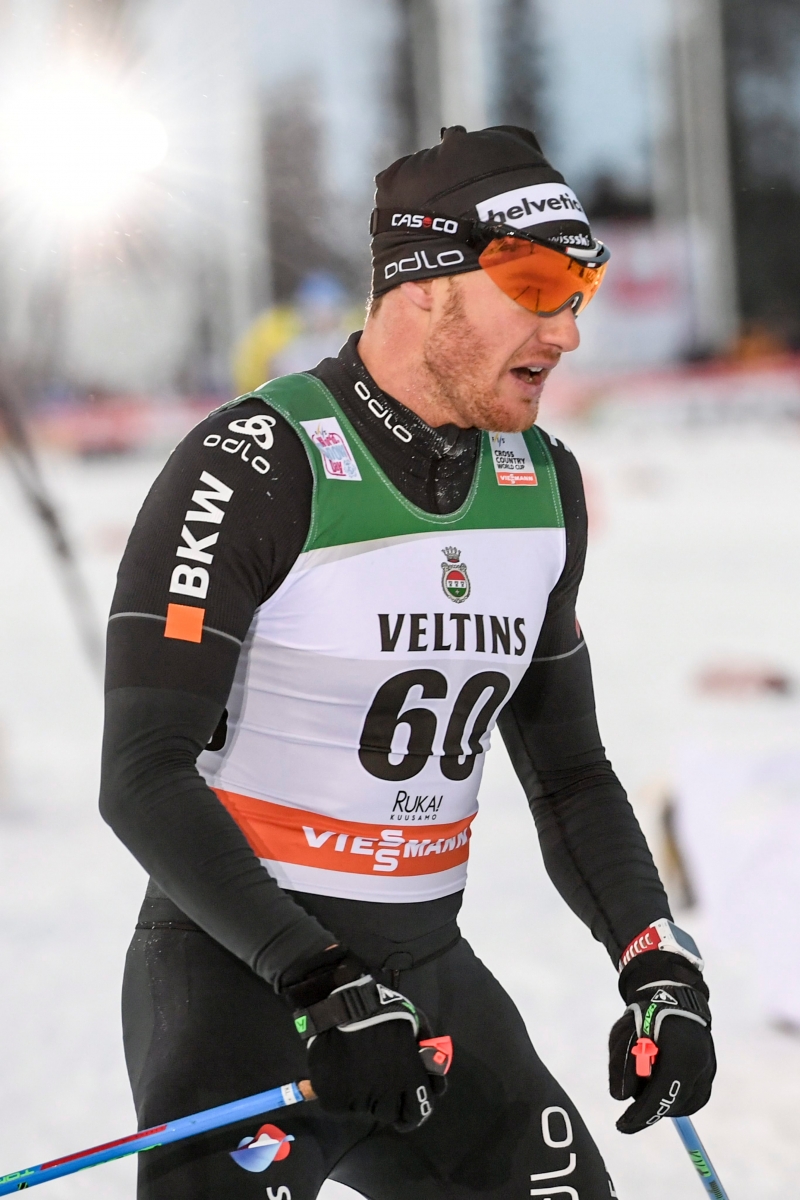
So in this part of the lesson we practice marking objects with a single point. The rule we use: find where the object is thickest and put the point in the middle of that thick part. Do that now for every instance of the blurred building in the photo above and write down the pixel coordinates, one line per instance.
(725, 185)
(440, 72)
(692, 172)
(272, 122)
(763, 54)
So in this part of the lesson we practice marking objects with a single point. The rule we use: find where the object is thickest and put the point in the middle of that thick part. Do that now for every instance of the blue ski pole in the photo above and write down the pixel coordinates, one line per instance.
(697, 1153)
(645, 1052)
(436, 1054)
(159, 1135)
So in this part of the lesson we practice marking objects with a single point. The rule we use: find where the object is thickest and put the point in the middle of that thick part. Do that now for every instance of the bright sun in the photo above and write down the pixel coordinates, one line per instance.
(75, 145)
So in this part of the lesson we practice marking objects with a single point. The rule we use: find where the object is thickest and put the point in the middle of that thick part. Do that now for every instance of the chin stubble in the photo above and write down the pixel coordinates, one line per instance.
(458, 375)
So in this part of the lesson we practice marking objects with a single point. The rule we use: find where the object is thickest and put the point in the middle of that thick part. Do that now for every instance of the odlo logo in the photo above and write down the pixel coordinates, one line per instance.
(455, 581)
(666, 1102)
(425, 1106)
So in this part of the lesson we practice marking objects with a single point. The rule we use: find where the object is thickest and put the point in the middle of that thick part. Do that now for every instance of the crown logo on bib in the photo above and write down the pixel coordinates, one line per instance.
(455, 581)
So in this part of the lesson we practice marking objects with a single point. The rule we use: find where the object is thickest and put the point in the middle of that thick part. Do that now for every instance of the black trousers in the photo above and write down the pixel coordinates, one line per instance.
(201, 1029)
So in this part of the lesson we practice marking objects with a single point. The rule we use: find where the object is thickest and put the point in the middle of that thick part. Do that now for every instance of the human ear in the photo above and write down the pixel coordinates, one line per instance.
(420, 294)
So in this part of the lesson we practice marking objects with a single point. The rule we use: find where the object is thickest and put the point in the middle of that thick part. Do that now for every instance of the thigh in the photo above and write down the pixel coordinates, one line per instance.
(201, 1029)
(505, 1128)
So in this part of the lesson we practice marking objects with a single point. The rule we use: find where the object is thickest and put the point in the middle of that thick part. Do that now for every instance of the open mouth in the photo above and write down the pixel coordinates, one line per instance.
(529, 374)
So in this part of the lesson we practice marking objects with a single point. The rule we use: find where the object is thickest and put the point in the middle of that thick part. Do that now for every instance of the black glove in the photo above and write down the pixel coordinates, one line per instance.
(667, 1010)
(362, 1038)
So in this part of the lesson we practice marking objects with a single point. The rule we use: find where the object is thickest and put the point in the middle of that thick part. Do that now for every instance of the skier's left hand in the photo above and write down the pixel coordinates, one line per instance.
(667, 1003)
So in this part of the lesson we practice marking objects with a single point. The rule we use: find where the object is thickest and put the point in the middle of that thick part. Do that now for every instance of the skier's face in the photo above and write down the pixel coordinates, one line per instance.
(487, 357)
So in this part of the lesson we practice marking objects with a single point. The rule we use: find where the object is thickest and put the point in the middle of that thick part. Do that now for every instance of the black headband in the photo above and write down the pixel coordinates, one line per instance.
(427, 218)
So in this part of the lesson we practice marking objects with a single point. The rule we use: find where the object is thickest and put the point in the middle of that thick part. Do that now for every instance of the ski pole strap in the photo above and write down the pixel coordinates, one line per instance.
(663, 935)
(702, 1164)
(653, 1003)
(352, 1006)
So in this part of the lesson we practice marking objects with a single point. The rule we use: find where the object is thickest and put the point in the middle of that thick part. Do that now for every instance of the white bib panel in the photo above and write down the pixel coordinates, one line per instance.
(315, 659)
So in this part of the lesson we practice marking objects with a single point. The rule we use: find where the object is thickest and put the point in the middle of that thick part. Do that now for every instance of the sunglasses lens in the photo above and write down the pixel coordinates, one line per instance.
(540, 279)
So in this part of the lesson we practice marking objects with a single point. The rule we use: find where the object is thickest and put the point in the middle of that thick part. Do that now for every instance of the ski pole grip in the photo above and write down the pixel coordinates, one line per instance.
(645, 1052)
(436, 1054)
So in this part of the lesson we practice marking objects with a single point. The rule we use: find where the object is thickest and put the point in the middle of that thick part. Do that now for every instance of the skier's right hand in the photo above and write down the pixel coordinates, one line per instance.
(363, 1053)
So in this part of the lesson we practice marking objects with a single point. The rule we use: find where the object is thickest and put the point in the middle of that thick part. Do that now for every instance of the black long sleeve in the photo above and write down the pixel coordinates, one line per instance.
(165, 696)
(593, 848)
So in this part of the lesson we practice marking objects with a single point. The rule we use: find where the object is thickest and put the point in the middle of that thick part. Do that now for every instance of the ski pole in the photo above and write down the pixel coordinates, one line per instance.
(645, 1052)
(697, 1153)
(436, 1054)
(26, 467)
(159, 1135)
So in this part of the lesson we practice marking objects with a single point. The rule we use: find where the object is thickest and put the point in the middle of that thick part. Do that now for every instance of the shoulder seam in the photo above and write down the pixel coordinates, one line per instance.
(556, 657)
(236, 400)
(155, 617)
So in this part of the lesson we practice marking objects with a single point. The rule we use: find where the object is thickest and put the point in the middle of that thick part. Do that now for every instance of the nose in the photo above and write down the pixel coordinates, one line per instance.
(560, 331)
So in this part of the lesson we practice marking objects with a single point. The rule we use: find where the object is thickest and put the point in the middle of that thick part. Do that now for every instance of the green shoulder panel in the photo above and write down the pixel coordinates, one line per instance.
(354, 501)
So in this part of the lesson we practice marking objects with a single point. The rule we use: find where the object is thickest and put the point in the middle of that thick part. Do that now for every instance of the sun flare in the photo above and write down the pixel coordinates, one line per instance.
(75, 145)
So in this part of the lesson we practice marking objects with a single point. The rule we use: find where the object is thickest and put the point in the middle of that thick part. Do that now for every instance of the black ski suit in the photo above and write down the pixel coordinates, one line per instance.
(203, 1022)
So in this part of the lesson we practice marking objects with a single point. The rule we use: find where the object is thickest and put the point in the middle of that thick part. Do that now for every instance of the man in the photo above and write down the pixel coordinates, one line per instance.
(335, 588)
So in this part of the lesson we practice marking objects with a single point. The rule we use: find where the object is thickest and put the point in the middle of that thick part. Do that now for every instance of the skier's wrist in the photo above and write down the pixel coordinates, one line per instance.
(659, 966)
(312, 980)
(662, 935)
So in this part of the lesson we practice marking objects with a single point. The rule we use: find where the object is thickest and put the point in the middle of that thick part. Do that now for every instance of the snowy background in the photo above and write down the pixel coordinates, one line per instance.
(693, 556)
(245, 136)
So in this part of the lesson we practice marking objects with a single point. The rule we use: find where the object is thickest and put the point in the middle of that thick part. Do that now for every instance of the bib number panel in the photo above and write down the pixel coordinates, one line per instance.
(397, 742)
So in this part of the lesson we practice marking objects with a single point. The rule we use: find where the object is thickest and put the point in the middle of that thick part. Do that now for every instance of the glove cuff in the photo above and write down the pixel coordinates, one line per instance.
(311, 981)
(660, 966)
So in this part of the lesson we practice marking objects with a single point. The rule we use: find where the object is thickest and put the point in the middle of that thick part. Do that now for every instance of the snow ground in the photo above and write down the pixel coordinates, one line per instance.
(693, 556)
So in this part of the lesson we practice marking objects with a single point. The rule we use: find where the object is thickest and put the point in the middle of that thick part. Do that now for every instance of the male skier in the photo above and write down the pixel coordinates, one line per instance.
(335, 588)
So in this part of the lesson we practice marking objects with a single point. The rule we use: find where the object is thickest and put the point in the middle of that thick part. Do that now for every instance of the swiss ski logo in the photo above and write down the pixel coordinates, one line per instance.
(337, 457)
(455, 581)
(269, 1145)
(662, 997)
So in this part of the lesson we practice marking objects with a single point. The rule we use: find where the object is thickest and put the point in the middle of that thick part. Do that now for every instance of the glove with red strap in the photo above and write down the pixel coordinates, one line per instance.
(363, 1044)
(661, 1052)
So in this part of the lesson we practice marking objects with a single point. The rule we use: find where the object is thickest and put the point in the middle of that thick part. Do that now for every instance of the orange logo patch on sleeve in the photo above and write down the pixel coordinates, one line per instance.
(184, 622)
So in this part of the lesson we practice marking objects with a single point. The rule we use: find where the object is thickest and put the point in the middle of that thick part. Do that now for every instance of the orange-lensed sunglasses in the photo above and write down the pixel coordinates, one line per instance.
(542, 278)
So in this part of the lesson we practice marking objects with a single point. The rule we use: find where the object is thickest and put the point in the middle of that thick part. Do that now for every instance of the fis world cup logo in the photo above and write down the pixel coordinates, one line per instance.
(455, 581)
(334, 450)
(337, 457)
